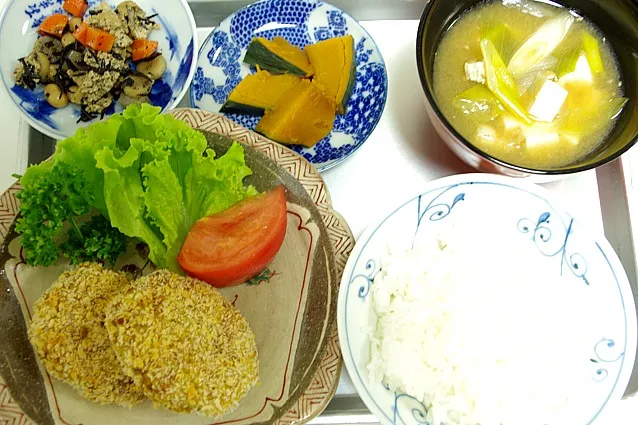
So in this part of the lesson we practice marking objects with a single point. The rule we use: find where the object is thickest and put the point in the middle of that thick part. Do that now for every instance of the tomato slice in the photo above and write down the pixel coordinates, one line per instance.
(237, 244)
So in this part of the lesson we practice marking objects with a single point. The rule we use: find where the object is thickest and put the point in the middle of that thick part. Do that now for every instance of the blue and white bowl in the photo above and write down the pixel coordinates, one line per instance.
(19, 23)
(518, 221)
(220, 68)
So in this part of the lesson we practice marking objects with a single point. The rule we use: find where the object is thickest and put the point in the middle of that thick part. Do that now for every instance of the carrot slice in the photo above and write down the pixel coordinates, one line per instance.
(75, 7)
(99, 40)
(54, 25)
(143, 49)
(95, 38)
(80, 33)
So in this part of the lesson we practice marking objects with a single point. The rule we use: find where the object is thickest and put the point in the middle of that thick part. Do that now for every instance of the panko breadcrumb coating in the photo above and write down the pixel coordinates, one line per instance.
(68, 334)
(188, 347)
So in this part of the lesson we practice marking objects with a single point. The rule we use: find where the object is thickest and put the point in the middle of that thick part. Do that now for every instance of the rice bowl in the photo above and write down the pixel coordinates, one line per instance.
(481, 301)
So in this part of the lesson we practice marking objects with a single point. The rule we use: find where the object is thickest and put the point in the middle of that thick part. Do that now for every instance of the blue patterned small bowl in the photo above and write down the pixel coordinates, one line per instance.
(517, 223)
(301, 22)
(19, 23)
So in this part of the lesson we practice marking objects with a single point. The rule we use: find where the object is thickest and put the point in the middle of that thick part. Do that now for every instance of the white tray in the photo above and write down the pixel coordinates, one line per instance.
(404, 153)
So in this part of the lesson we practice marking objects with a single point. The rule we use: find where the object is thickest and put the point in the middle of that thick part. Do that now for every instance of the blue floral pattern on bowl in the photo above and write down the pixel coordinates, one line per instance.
(301, 22)
(521, 220)
(177, 41)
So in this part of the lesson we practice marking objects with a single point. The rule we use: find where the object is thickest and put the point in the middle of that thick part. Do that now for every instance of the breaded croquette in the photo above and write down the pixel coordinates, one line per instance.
(188, 347)
(68, 334)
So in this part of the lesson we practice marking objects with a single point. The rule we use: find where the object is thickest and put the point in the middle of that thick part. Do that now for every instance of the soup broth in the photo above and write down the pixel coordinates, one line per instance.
(528, 83)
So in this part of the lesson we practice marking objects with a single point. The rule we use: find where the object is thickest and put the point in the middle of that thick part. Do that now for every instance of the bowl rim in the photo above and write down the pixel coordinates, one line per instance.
(335, 162)
(631, 320)
(58, 135)
(430, 98)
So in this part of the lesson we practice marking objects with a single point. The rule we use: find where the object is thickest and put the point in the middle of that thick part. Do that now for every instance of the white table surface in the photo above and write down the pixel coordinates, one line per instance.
(401, 155)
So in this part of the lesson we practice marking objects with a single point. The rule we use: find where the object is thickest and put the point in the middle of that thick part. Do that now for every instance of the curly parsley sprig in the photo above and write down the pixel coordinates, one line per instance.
(94, 240)
(52, 196)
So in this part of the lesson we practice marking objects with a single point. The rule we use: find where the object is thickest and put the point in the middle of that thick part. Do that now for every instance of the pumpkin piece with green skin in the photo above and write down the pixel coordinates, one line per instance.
(335, 65)
(259, 92)
(278, 56)
(303, 116)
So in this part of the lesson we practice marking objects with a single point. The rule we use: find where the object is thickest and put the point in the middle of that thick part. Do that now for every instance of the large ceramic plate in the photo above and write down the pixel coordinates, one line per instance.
(537, 229)
(220, 68)
(19, 23)
(294, 302)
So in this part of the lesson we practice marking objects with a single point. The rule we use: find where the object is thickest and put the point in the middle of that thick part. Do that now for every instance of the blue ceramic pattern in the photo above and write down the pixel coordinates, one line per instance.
(295, 13)
(224, 52)
(413, 412)
(367, 278)
(337, 27)
(437, 209)
(34, 104)
(39, 11)
(409, 411)
(605, 352)
(541, 235)
(164, 91)
(181, 80)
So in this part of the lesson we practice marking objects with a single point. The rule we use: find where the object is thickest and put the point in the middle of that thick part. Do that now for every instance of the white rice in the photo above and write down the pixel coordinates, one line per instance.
(478, 336)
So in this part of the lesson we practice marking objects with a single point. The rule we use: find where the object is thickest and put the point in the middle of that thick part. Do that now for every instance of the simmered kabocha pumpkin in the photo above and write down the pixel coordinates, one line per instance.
(259, 92)
(299, 92)
(278, 56)
(303, 116)
(334, 62)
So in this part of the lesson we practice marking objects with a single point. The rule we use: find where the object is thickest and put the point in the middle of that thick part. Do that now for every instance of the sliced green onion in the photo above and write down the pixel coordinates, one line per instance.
(479, 100)
(540, 44)
(500, 82)
(503, 38)
(592, 51)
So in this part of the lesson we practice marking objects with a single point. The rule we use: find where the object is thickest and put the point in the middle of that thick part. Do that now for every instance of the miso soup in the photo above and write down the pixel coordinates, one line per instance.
(528, 83)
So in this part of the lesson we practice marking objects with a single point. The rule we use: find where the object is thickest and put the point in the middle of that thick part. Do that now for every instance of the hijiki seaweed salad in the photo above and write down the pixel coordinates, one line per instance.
(94, 59)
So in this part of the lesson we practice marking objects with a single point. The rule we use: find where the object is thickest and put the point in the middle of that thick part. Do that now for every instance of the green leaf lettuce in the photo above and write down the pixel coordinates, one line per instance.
(152, 176)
